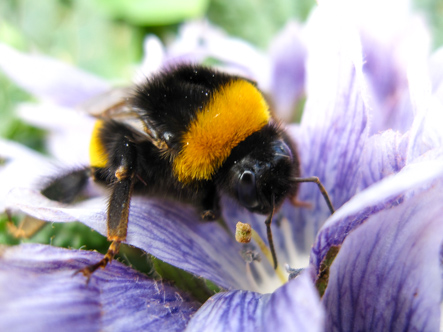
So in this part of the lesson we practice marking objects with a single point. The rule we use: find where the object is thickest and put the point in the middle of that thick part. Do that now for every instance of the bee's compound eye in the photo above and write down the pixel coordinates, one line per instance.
(282, 150)
(246, 190)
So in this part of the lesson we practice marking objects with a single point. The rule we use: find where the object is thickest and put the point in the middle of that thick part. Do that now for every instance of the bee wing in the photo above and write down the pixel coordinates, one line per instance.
(110, 104)
(115, 104)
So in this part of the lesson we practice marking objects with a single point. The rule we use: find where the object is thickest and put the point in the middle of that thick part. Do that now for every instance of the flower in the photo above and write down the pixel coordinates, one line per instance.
(384, 240)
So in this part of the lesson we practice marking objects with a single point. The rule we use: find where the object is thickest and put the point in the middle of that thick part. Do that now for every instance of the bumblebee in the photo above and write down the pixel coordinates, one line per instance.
(191, 134)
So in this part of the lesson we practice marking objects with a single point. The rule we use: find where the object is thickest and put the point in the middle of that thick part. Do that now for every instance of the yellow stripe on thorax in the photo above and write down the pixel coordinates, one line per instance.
(97, 152)
(235, 111)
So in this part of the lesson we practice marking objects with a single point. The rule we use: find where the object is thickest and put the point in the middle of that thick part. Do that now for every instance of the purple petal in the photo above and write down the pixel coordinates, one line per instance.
(49, 79)
(171, 232)
(176, 235)
(387, 274)
(389, 87)
(293, 307)
(233, 311)
(40, 293)
(288, 56)
(382, 195)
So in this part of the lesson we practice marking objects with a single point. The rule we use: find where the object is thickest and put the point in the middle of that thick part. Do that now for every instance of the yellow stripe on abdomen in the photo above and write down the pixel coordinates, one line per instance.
(97, 152)
(235, 111)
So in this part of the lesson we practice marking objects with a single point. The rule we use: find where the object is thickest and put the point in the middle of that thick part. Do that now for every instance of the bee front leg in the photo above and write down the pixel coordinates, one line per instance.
(118, 206)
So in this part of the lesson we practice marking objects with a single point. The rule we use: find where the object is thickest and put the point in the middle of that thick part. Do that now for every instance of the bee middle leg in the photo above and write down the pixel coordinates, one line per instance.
(124, 171)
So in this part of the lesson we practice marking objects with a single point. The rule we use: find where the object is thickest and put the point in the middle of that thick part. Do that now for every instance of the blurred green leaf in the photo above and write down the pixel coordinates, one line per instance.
(74, 32)
(257, 21)
(154, 12)
(200, 288)
(433, 10)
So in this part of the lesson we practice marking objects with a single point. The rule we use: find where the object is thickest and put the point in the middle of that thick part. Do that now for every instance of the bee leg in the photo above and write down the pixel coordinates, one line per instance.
(209, 215)
(302, 204)
(89, 270)
(210, 205)
(118, 206)
(67, 187)
(26, 228)
(268, 223)
(321, 188)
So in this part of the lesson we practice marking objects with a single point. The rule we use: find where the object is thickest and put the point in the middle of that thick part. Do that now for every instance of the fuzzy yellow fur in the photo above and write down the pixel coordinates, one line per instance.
(235, 111)
(97, 152)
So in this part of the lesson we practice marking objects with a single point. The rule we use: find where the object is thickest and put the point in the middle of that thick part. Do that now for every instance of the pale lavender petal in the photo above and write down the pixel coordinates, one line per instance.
(334, 127)
(388, 85)
(393, 42)
(384, 155)
(387, 274)
(436, 73)
(190, 44)
(293, 307)
(32, 202)
(171, 232)
(200, 40)
(239, 57)
(287, 56)
(426, 132)
(40, 293)
(49, 79)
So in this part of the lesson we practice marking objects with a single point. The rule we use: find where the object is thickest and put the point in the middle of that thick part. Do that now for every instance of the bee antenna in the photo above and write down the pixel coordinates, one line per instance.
(320, 186)
(268, 222)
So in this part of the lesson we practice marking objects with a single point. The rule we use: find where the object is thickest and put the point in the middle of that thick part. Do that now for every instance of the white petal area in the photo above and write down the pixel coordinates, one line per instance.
(69, 131)
(22, 167)
(49, 79)
(154, 56)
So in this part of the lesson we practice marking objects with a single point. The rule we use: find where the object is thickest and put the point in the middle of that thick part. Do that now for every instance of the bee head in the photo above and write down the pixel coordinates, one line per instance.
(260, 172)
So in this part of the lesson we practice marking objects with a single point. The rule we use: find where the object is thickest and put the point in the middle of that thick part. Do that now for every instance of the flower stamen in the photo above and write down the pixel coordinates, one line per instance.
(244, 233)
